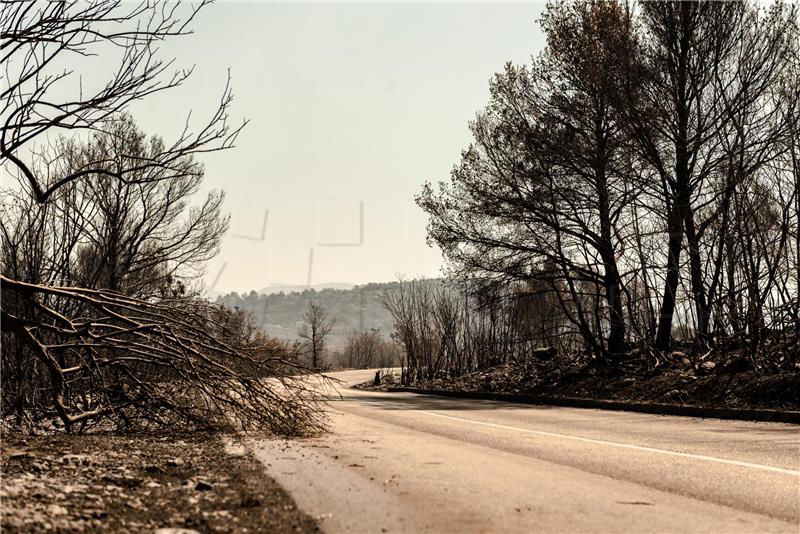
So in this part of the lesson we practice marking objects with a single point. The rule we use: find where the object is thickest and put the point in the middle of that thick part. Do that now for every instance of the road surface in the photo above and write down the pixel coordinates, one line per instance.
(397, 462)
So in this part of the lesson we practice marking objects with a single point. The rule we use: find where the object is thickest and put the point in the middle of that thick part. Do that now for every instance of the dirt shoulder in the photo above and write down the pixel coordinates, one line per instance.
(139, 483)
(679, 385)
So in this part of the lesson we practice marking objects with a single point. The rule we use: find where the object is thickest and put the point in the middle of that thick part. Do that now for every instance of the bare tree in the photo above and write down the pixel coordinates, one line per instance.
(38, 41)
(543, 182)
(143, 237)
(643, 147)
(368, 349)
(449, 328)
(314, 330)
(111, 214)
(703, 64)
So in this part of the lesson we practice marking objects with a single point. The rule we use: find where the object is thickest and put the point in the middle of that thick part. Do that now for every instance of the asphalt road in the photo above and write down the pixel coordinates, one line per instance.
(397, 462)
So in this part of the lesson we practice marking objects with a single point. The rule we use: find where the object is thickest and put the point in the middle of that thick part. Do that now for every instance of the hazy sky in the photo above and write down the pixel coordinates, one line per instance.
(351, 107)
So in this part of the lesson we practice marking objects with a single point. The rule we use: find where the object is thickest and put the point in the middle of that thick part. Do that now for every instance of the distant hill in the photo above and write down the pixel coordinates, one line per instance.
(280, 288)
(279, 309)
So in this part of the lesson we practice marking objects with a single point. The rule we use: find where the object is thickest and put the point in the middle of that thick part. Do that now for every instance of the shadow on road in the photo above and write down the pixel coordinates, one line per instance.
(405, 401)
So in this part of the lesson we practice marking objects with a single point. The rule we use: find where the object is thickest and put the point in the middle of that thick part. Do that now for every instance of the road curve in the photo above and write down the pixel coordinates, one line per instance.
(400, 462)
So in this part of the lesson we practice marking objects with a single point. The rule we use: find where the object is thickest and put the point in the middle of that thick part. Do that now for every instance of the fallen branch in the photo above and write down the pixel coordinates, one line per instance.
(177, 361)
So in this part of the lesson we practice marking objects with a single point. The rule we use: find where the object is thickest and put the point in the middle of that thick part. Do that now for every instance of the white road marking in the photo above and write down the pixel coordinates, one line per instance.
(622, 445)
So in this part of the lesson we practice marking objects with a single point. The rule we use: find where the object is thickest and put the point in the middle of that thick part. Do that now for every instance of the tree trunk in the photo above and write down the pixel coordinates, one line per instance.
(674, 245)
(616, 335)
(698, 287)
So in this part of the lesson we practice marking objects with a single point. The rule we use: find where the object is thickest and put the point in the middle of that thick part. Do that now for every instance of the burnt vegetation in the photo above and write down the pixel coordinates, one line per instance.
(101, 245)
(630, 199)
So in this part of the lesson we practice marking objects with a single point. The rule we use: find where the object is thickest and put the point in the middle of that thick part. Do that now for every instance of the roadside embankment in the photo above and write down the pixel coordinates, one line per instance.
(672, 391)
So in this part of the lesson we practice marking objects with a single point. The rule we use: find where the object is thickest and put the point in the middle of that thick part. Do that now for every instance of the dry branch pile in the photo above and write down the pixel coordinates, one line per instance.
(177, 361)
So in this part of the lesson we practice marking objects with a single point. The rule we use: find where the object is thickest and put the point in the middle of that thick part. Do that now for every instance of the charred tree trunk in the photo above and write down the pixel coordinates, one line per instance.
(674, 246)
(698, 287)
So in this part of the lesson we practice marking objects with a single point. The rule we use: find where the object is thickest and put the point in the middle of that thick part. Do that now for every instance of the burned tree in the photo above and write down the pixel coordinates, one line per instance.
(315, 329)
(698, 93)
(643, 167)
(543, 182)
(129, 347)
(142, 238)
(363, 350)
(38, 40)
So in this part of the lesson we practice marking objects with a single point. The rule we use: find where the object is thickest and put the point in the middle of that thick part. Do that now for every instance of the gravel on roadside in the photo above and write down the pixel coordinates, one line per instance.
(112, 483)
